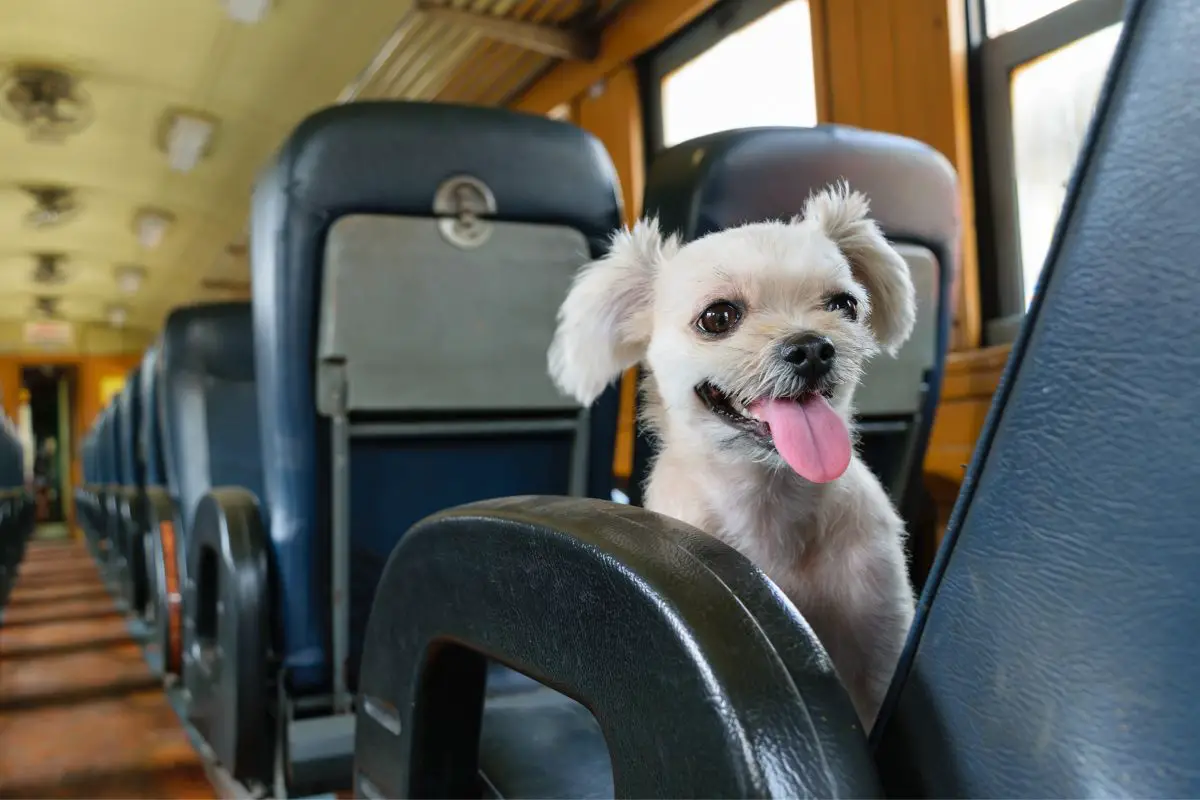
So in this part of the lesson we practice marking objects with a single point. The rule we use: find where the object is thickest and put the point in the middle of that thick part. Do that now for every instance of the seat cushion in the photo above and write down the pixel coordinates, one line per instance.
(537, 743)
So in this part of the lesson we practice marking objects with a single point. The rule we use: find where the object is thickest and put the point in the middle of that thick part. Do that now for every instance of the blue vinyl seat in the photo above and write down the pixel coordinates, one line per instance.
(16, 508)
(407, 263)
(162, 609)
(92, 486)
(84, 489)
(128, 528)
(209, 425)
(112, 555)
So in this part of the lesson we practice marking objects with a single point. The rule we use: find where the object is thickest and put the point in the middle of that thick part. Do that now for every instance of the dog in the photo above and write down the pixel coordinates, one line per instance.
(752, 341)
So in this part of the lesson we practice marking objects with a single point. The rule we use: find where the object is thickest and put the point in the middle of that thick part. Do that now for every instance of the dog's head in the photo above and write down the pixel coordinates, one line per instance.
(756, 336)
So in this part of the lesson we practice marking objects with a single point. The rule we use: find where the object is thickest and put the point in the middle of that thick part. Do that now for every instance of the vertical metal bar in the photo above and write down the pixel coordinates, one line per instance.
(577, 485)
(340, 544)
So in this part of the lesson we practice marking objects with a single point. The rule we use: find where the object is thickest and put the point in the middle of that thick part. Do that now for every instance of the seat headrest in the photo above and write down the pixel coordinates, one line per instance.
(211, 339)
(129, 408)
(112, 442)
(150, 432)
(391, 158)
(759, 174)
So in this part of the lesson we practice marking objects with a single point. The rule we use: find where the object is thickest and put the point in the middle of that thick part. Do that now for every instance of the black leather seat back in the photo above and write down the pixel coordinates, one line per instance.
(129, 407)
(150, 435)
(1057, 656)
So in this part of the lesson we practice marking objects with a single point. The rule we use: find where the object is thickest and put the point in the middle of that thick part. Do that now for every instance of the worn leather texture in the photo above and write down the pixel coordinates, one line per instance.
(1057, 652)
(151, 420)
(112, 444)
(129, 407)
(384, 158)
(666, 635)
(209, 405)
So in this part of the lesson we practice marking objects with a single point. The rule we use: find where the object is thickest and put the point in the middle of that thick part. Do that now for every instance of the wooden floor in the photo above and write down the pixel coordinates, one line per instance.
(81, 715)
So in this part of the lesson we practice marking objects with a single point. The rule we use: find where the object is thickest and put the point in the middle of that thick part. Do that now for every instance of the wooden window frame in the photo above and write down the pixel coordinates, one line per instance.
(994, 58)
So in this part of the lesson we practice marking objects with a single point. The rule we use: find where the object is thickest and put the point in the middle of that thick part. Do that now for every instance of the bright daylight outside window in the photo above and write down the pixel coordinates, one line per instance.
(759, 75)
(1008, 15)
(1053, 98)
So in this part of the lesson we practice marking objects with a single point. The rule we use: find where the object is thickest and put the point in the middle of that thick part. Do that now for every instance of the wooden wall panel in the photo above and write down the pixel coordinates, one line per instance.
(612, 111)
(900, 66)
(967, 393)
(91, 373)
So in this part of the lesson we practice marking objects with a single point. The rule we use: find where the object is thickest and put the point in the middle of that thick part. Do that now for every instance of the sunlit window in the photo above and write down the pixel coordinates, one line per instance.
(1042, 68)
(1053, 99)
(1007, 15)
(759, 75)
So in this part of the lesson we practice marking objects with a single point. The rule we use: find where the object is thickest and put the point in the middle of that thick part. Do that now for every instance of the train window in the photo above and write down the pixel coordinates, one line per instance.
(1008, 15)
(1052, 103)
(747, 63)
(1041, 66)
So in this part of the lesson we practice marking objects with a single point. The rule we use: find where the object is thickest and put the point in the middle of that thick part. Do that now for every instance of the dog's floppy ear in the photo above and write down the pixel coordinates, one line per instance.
(604, 324)
(841, 214)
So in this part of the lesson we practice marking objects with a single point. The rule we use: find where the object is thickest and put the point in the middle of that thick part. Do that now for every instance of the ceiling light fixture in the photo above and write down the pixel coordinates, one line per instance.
(151, 225)
(129, 278)
(186, 137)
(247, 12)
(117, 316)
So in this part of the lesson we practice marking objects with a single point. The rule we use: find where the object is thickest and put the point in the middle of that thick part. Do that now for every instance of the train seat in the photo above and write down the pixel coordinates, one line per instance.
(110, 543)
(158, 515)
(1050, 654)
(209, 422)
(759, 174)
(91, 516)
(15, 516)
(83, 490)
(129, 501)
(407, 263)
(100, 490)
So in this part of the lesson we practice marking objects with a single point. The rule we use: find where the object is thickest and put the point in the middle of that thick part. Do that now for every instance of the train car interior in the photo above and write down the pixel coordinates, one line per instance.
(598, 398)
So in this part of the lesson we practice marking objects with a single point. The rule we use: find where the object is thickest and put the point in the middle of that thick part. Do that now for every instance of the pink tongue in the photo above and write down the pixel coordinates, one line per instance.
(809, 435)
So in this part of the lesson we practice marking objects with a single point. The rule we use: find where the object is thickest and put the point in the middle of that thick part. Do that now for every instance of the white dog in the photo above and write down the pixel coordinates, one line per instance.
(752, 341)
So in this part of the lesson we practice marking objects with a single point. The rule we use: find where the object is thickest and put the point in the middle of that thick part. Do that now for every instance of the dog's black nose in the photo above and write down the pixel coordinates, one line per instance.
(811, 354)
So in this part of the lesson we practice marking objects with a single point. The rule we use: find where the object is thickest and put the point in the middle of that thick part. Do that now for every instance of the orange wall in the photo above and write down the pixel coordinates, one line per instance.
(90, 373)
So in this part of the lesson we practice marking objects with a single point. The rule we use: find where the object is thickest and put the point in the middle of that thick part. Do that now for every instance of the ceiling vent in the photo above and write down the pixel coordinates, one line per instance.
(48, 103)
(53, 206)
(48, 269)
(46, 306)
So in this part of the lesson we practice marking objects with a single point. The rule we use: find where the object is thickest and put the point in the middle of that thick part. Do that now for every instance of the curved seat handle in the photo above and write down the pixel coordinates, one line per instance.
(704, 679)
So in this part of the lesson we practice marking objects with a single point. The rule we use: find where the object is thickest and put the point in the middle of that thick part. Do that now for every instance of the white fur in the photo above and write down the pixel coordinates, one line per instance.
(836, 549)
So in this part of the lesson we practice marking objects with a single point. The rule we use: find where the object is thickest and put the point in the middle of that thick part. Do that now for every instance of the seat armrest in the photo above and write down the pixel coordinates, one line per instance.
(229, 638)
(703, 677)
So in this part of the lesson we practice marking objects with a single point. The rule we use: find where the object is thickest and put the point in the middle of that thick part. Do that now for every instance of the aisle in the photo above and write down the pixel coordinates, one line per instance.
(81, 715)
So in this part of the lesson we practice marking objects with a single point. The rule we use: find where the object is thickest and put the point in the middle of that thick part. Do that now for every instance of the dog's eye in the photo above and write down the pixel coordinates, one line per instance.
(845, 303)
(719, 318)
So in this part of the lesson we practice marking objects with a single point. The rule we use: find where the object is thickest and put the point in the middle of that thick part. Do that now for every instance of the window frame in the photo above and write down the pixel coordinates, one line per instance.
(998, 220)
(723, 19)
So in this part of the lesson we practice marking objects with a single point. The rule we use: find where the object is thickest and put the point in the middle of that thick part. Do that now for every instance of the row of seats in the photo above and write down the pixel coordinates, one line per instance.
(247, 487)
(407, 261)
(17, 510)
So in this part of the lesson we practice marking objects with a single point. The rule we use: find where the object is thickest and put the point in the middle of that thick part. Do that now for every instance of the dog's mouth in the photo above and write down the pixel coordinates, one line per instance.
(804, 429)
(737, 414)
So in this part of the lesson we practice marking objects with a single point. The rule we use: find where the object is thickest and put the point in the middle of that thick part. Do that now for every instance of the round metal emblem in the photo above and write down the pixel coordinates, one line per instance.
(462, 202)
